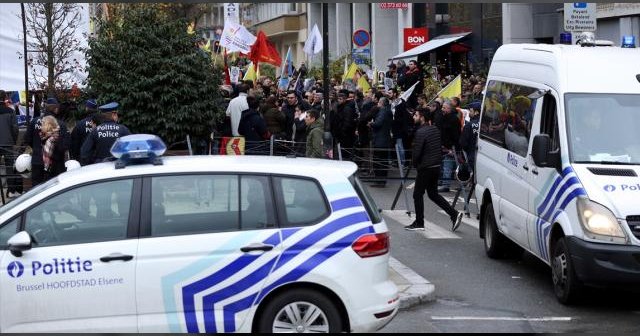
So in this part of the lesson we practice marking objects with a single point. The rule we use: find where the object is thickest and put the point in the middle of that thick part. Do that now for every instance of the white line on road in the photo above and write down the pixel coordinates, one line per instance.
(469, 221)
(498, 318)
(431, 230)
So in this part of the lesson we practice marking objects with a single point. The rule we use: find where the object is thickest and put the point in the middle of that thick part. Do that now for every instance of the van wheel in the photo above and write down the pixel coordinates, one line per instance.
(495, 243)
(300, 310)
(566, 285)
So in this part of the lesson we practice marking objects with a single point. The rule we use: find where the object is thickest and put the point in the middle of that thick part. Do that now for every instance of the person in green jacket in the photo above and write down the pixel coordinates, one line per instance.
(314, 134)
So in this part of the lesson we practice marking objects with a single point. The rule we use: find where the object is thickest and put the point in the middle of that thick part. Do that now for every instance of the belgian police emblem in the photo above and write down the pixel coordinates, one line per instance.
(15, 269)
(609, 188)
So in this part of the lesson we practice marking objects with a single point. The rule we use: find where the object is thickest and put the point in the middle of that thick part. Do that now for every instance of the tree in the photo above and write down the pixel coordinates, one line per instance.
(52, 42)
(164, 83)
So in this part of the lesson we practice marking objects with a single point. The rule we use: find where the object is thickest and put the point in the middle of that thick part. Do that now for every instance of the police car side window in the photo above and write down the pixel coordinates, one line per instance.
(256, 203)
(191, 204)
(302, 201)
(7, 231)
(90, 213)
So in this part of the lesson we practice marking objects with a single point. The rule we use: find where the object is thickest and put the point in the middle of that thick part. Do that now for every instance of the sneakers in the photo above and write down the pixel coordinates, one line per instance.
(455, 223)
(414, 227)
(13, 194)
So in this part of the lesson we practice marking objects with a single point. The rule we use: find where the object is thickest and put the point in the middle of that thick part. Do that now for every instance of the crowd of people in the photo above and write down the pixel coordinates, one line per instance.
(367, 127)
(51, 145)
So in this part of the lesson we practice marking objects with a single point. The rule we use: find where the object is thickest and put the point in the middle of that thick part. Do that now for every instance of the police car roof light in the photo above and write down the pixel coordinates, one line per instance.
(138, 148)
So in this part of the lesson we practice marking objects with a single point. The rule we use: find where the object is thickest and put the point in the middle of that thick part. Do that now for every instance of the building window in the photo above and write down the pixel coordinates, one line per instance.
(293, 7)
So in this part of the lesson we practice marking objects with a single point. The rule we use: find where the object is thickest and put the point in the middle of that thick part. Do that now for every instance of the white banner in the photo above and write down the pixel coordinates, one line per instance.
(232, 12)
(313, 45)
(236, 38)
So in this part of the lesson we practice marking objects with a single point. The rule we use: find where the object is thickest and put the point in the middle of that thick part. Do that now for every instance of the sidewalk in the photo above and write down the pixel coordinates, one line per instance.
(413, 288)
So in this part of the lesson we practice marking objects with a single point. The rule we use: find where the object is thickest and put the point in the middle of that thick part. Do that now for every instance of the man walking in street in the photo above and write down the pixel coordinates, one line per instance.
(427, 156)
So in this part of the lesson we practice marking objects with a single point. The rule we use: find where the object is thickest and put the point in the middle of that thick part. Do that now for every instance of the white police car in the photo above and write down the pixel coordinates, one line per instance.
(196, 244)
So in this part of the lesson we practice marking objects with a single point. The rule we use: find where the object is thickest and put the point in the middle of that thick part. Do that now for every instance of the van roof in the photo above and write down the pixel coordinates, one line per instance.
(570, 67)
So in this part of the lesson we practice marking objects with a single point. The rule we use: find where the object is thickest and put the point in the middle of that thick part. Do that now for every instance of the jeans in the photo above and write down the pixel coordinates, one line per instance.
(400, 149)
(427, 180)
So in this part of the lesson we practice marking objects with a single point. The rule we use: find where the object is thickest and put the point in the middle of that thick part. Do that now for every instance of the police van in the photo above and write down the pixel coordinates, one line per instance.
(558, 162)
(196, 244)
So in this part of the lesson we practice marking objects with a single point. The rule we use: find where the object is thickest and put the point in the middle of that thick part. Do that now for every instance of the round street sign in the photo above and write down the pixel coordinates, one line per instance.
(361, 38)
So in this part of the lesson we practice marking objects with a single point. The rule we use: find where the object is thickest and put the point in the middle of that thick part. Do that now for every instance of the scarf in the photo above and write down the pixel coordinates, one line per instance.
(49, 140)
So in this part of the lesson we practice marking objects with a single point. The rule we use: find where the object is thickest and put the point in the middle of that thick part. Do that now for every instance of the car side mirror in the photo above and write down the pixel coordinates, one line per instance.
(20, 242)
(542, 154)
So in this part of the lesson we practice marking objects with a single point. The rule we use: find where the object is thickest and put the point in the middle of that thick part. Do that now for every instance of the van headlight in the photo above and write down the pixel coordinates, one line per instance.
(599, 222)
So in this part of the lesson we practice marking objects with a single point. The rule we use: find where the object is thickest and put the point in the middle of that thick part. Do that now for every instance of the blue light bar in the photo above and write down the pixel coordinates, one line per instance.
(565, 38)
(138, 147)
(628, 41)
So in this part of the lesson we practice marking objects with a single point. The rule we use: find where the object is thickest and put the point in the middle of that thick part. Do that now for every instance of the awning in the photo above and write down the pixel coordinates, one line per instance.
(431, 45)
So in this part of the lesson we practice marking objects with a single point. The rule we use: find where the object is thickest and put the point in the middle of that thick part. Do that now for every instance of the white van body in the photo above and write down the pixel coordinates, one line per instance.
(578, 208)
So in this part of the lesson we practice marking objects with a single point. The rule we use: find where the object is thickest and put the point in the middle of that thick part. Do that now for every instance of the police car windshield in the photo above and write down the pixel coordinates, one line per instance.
(34, 191)
(603, 128)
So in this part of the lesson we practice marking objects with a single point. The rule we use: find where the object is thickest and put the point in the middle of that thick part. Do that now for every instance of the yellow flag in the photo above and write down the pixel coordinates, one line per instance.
(23, 97)
(207, 47)
(363, 83)
(250, 74)
(453, 89)
(351, 72)
(191, 28)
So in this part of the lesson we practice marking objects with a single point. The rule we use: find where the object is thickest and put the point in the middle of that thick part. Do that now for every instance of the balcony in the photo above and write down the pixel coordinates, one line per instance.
(285, 24)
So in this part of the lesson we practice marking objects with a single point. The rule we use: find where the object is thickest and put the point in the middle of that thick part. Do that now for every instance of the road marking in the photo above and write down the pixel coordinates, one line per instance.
(498, 318)
(431, 230)
(469, 221)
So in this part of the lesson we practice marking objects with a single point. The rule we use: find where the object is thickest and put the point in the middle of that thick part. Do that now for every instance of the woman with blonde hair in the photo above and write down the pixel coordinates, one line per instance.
(52, 148)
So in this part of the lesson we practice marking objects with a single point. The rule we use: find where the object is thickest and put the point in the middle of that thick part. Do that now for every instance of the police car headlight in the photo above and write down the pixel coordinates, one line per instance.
(599, 222)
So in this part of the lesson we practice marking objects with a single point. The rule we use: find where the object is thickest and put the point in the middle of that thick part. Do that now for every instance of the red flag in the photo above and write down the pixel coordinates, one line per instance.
(227, 78)
(264, 51)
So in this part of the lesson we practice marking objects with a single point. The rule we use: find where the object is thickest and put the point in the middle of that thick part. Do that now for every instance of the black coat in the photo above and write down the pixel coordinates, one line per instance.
(97, 145)
(32, 138)
(427, 147)
(381, 128)
(252, 127)
(343, 125)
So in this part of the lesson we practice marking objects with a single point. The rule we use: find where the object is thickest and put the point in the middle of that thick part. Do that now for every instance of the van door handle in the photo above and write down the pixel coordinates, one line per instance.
(525, 167)
(257, 247)
(534, 171)
(116, 256)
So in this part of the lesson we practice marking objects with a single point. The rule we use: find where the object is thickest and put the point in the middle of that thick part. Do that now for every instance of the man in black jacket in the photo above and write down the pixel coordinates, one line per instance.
(427, 155)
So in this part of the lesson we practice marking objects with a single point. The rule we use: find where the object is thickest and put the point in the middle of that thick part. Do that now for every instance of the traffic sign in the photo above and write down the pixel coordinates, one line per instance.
(361, 56)
(580, 17)
(361, 38)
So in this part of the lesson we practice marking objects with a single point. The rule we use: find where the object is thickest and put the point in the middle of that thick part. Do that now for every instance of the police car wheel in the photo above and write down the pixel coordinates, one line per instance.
(494, 242)
(566, 285)
(300, 310)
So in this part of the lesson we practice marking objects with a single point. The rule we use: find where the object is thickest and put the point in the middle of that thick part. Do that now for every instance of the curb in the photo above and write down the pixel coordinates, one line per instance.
(413, 288)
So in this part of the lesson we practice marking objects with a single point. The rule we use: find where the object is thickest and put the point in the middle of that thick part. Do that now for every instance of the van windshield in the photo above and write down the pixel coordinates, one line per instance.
(603, 128)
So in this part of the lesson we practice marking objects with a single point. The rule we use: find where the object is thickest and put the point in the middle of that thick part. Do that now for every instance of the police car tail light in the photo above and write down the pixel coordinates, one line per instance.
(599, 222)
(372, 245)
(138, 148)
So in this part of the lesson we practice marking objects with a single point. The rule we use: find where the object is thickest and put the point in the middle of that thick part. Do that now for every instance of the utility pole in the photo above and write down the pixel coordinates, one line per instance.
(327, 138)
(26, 66)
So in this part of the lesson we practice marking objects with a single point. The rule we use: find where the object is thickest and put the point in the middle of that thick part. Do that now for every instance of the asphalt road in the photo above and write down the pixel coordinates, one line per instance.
(478, 294)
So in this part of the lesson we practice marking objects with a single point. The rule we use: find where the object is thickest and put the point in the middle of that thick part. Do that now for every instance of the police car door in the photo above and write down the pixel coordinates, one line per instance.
(211, 244)
(548, 189)
(78, 275)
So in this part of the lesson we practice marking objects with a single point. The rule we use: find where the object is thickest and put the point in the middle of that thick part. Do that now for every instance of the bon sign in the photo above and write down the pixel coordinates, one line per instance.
(414, 37)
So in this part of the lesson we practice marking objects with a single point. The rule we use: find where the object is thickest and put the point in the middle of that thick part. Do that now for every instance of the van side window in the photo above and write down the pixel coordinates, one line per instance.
(508, 116)
(549, 123)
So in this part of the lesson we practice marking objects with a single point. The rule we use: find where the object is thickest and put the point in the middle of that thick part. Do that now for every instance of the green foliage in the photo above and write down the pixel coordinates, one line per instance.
(267, 70)
(164, 83)
(336, 69)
